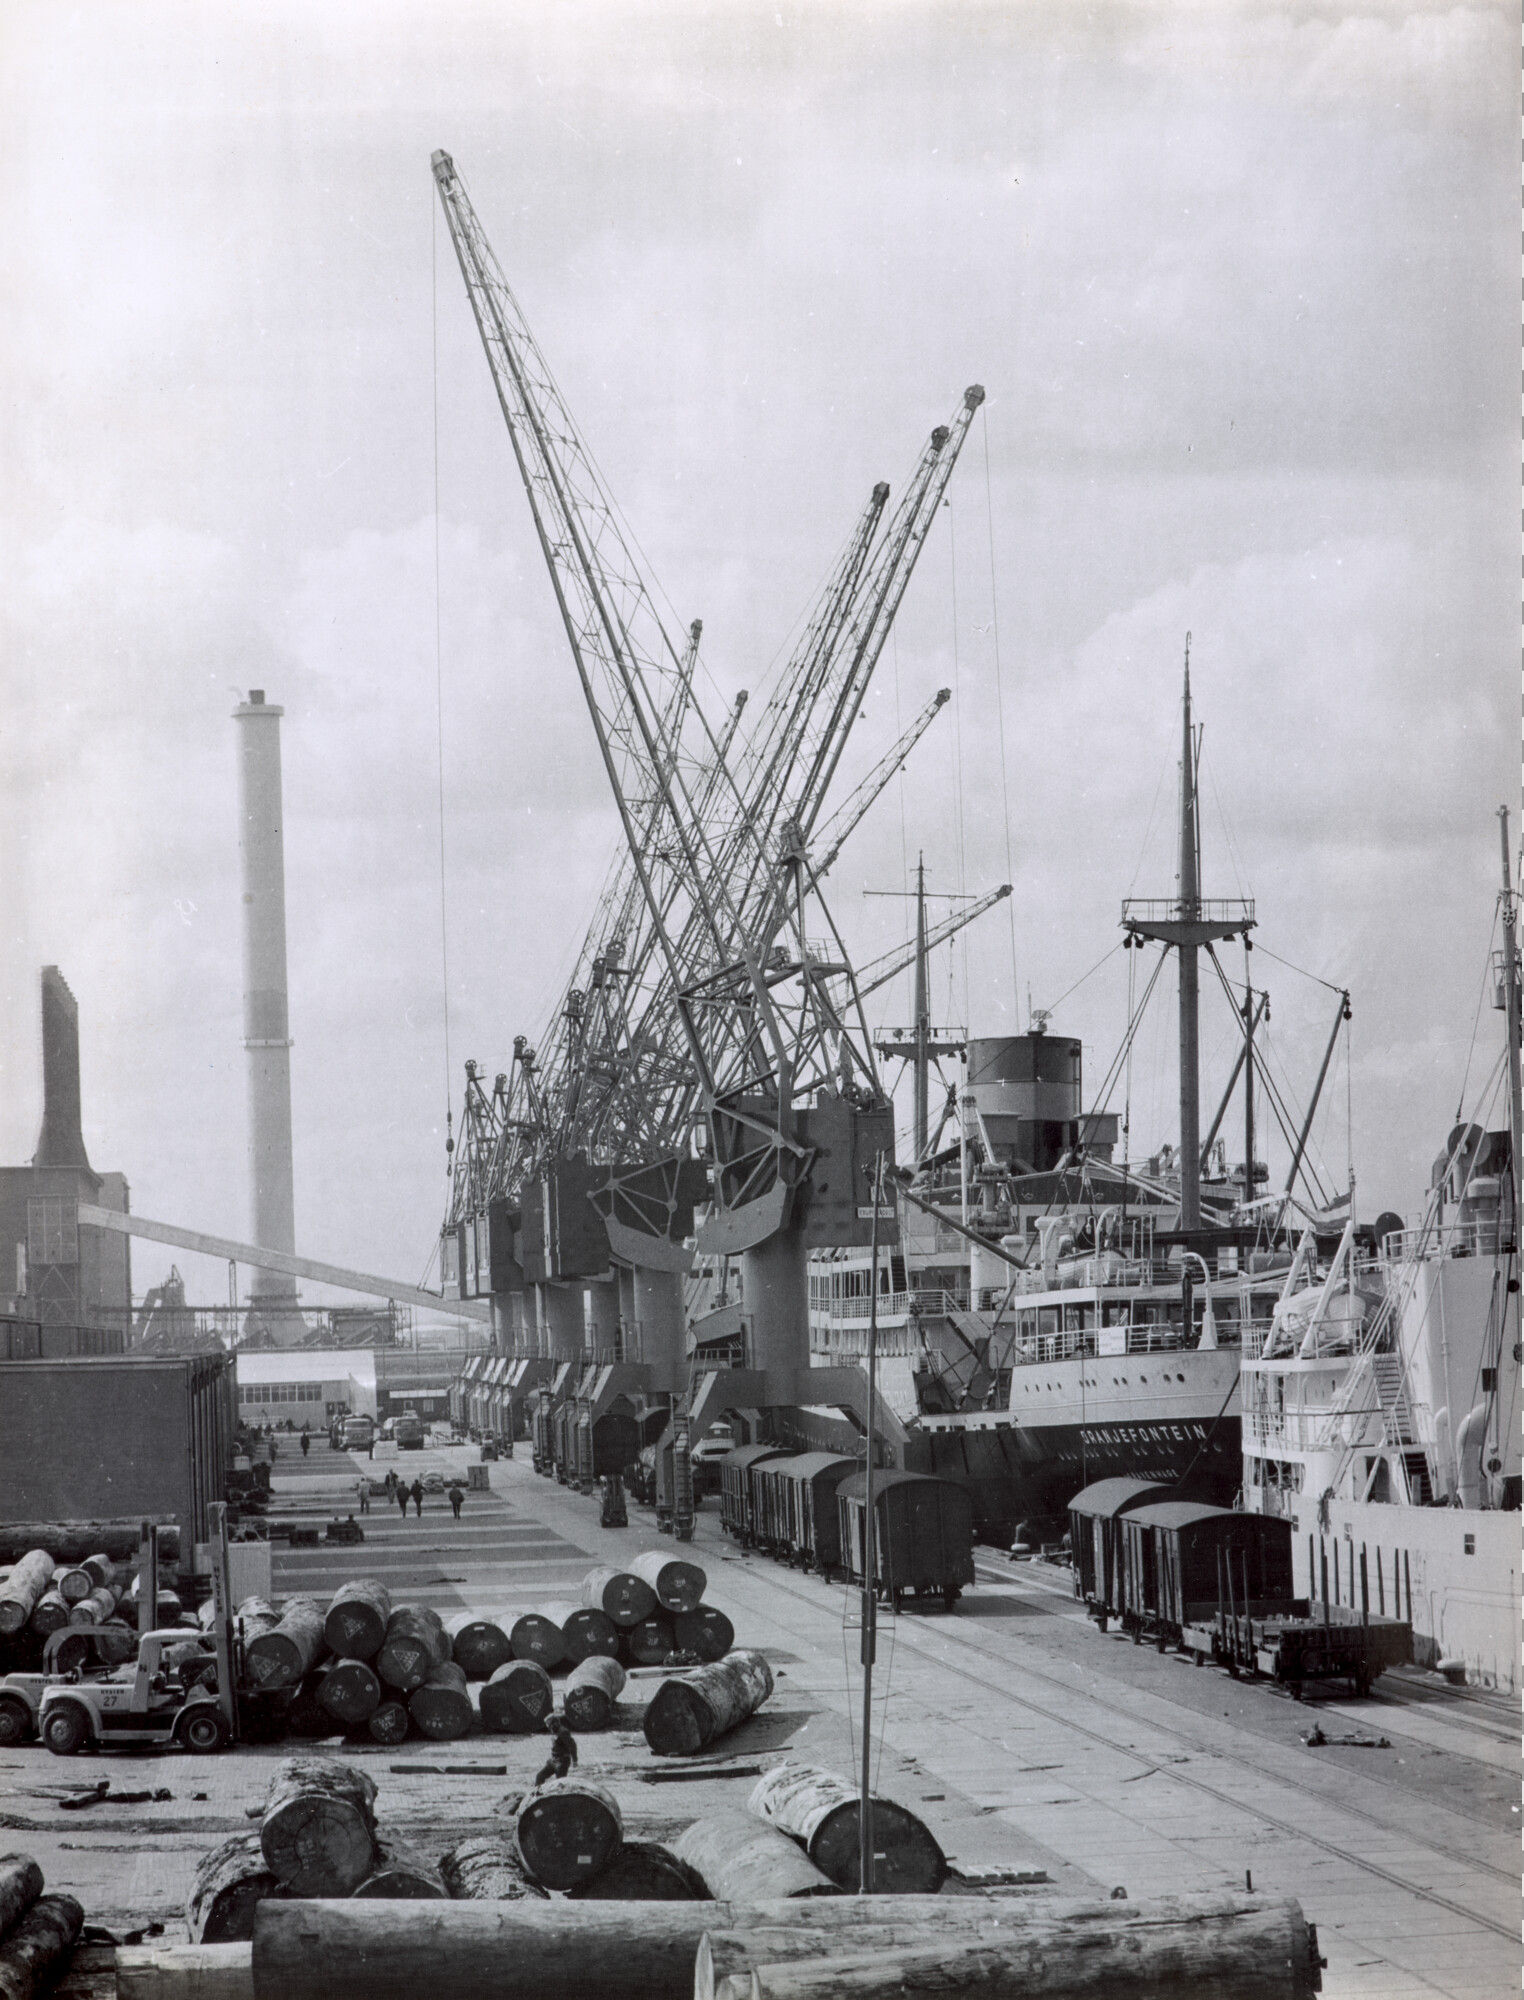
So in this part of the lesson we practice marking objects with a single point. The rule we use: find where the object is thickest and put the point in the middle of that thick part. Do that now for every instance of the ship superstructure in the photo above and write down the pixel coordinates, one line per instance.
(1382, 1404)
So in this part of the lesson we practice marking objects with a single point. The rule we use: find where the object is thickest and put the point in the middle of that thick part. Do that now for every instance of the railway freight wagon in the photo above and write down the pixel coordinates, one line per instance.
(1096, 1540)
(771, 1505)
(736, 1515)
(808, 1486)
(923, 1535)
(1182, 1559)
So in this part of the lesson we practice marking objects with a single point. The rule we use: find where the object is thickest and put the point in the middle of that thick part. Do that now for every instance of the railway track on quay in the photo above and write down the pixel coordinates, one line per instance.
(1195, 1745)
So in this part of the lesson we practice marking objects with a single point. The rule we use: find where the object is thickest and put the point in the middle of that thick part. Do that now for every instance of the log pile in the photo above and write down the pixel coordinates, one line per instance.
(37, 1931)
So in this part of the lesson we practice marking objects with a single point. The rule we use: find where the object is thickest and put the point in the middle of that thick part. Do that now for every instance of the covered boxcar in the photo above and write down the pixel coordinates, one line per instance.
(924, 1534)
(1181, 1556)
(768, 1499)
(812, 1481)
(735, 1487)
(1096, 1541)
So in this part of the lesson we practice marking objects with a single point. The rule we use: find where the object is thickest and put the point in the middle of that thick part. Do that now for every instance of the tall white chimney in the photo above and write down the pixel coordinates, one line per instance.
(266, 1022)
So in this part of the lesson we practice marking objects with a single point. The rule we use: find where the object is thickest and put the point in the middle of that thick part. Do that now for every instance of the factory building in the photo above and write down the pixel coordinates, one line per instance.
(54, 1271)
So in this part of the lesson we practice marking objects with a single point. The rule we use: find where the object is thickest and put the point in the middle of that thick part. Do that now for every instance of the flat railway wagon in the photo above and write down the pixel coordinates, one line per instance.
(736, 1492)
(1096, 1541)
(923, 1530)
(1218, 1584)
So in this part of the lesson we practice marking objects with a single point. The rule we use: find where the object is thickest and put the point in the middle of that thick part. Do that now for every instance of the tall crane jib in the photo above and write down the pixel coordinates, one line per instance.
(710, 1052)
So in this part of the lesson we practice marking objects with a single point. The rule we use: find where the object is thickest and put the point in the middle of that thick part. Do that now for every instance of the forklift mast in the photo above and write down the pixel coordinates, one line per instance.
(222, 1617)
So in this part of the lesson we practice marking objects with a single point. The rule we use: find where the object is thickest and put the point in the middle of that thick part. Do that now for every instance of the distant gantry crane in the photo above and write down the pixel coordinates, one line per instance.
(709, 1072)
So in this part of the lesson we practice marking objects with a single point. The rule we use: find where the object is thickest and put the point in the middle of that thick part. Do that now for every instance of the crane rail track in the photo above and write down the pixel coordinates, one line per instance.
(1216, 1792)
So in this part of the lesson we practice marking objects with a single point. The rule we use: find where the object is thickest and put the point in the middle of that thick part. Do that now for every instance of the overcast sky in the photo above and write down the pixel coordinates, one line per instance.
(1241, 283)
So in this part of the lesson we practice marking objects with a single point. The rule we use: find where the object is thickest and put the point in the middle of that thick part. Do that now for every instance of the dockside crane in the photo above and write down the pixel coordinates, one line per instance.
(740, 1047)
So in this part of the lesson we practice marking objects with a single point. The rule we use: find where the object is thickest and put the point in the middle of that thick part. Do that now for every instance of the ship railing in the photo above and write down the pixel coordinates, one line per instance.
(892, 1307)
(1168, 910)
(1483, 1238)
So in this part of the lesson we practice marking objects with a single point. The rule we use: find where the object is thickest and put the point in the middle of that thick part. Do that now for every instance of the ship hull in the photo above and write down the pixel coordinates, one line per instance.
(1178, 1424)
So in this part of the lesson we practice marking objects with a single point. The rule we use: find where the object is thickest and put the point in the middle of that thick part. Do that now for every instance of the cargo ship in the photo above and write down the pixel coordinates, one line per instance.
(1382, 1403)
(1053, 1316)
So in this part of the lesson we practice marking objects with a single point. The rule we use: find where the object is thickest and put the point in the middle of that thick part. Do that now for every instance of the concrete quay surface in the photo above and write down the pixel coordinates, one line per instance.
(1026, 1740)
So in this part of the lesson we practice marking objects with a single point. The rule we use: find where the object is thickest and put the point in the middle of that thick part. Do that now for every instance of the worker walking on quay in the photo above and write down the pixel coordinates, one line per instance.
(417, 1491)
(563, 1752)
(402, 1498)
(362, 1487)
(456, 1497)
(306, 1444)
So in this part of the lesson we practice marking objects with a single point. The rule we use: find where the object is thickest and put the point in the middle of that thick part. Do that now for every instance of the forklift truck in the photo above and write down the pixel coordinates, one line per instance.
(154, 1700)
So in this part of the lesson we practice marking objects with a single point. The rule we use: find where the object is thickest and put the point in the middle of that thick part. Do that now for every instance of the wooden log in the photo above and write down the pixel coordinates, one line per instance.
(20, 1886)
(78, 1580)
(1267, 1954)
(280, 1657)
(350, 1692)
(401, 1874)
(487, 1868)
(22, 1589)
(230, 1882)
(820, 1933)
(619, 1594)
(704, 1631)
(32, 1955)
(679, 1585)
(442, 1707)
(648, 1643)
(73, 1541)
(99, 1606)
(168, 1607)
(413, 1645)
(643, 1871)
(389, 1724)
(741, 1859)
(478, 1646)
(693, 1709)
(517, 1699)
(355, 1622)
(317, 1831)
(592, 1689)
(49, 1614)
(254, 1617)
(184, 1972)
(584, 1631)
(568, 1831)
(535, 1637)
(530, 1949)
(822, 1811)
(305, 1713)
(110, 1645)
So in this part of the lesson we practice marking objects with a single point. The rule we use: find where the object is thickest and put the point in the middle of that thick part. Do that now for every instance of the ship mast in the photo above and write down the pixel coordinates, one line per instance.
(1187, 924)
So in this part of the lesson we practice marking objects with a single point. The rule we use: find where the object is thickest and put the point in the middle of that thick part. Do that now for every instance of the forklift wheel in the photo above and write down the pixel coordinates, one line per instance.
(204, 1729)
(15, 1722)
(66, 1728)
